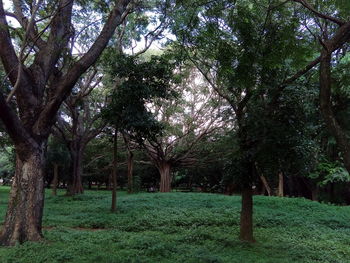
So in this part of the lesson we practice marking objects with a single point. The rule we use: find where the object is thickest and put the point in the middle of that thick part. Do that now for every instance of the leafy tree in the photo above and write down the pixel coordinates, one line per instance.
(42, 72)
(139, 83)
(249, 52)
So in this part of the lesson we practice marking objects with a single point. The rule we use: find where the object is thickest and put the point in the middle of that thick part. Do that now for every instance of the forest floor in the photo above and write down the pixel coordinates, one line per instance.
(183, 227)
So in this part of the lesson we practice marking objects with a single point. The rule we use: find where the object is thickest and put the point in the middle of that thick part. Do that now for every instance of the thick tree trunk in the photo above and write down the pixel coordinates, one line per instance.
(114, 173)
(165, 177)
(246, 224)
(280, 189)
(55, 179)
(25, 207)
(75, 185)
(130, 171)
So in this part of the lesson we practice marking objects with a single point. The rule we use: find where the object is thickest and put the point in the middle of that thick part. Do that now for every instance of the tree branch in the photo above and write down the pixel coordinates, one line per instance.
(68, 81)
(17, 133)
(307, 5)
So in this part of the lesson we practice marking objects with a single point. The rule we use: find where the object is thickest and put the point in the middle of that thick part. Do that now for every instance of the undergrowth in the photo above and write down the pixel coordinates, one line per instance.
(183, 227)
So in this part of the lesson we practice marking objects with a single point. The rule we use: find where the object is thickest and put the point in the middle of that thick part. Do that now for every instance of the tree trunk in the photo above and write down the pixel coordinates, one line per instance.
(55, 179)
(75, 183)
(326, 108)
(130, 171)
(26, 201)
(165, 177)
(246, 224)
(114, 174)
(314, 193)
(280, 191)
(266, 186)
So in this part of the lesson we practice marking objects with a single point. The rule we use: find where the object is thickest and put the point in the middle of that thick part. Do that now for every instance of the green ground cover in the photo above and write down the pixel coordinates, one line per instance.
(183, 227)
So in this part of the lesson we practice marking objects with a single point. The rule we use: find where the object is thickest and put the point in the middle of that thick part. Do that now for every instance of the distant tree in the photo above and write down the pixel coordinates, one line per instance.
(80, 122)
(191, 118)
(57, 163)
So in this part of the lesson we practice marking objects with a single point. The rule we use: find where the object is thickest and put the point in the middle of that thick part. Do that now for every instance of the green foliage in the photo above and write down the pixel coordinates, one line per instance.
(328, 172)
(7, 164)
(249, 49)
(138, 83)
(184, 227)
(57, 153)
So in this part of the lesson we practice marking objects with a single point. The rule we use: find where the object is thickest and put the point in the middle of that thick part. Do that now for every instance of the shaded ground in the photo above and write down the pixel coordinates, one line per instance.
(183, 227)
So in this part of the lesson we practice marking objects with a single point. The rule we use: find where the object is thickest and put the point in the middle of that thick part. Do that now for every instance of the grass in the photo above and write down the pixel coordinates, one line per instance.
(183, 227)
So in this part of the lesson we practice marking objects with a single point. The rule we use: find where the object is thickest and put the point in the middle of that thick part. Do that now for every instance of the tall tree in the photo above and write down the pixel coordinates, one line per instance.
(42, 78)
(247, 51)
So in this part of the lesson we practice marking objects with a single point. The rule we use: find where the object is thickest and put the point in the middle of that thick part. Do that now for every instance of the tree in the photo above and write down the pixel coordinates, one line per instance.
(138, 84)
(42, 78)
(192, 117)
(57, 163)
(248, 53)
(79, 123)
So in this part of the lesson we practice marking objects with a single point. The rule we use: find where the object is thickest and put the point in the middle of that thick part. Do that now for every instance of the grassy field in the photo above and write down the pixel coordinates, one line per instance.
(183, 227)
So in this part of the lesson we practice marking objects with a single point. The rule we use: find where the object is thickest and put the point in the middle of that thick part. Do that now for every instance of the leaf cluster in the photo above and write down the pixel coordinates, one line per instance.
(137, 84)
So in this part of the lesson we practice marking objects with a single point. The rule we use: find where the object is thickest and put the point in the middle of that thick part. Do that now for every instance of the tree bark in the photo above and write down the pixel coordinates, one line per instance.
(246, 223)
(25, 207)
(165, 177)
(266, 186)
(75, 185)
(114, 173)
(55, 179)
(280, 189)
(130, 171)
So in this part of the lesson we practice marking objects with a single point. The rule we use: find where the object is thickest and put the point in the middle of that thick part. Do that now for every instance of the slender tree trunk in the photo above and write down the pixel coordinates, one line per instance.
(55, 179)
(266, 186)
(165, 177)
(246, 224)
(25, 207)
(280, 191)
(130, 171)
(114, 174)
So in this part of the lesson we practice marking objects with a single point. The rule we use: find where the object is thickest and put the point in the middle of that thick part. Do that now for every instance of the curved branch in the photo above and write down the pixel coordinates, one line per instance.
(307, 5)
(67, 81)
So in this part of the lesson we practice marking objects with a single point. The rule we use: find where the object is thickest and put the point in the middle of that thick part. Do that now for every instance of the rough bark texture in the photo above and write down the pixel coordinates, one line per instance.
(165, 177)
(25, 208)
(246, 224)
